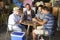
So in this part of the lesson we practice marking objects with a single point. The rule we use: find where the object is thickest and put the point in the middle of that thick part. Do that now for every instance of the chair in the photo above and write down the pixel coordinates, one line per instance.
(58, 22)
(55, 11)
(43, 33)
(8, 31)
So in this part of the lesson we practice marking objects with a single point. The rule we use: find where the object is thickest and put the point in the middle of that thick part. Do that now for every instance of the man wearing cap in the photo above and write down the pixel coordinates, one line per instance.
(15, 20)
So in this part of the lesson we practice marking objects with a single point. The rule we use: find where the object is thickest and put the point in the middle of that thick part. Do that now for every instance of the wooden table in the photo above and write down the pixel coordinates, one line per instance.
(29, 23)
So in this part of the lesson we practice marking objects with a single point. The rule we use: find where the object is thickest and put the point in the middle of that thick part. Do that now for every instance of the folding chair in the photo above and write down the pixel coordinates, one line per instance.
(43, 33)
(8, 33)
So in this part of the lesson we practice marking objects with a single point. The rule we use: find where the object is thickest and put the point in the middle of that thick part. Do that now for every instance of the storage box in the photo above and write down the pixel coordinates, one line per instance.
(18, 36)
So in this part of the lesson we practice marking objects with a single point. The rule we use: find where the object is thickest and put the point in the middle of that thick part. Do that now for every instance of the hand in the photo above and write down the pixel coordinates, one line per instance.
(20, 21)
(34, 19)
(21, 18)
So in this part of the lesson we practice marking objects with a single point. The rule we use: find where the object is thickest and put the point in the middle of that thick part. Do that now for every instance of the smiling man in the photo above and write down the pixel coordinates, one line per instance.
(47, 23)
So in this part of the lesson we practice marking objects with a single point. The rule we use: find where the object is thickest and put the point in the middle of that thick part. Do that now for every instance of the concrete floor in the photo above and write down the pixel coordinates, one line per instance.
(3, 36)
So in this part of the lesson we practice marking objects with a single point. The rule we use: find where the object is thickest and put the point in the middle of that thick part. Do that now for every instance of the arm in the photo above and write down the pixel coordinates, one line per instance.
(45, 20)
(42, 22)
(39, 19)
(21, 19)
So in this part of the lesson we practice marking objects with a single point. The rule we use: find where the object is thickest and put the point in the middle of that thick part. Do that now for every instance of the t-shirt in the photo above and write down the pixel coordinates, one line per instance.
(29, 15)
(49, 20)
(40, 15)
(29, 12)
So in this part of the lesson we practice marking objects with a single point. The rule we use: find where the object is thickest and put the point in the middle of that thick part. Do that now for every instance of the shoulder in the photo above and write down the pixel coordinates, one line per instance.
(49, 16)
(11, 16)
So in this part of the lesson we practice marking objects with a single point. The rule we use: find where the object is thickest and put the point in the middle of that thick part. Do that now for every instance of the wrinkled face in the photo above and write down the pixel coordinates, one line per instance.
(39, 9)
(28, 7)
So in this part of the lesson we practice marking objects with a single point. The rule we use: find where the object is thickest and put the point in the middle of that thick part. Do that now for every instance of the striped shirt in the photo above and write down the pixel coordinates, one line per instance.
(49, 20)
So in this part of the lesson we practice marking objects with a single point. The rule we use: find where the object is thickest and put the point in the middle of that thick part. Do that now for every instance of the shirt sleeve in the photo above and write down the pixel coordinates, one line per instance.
(46, 18)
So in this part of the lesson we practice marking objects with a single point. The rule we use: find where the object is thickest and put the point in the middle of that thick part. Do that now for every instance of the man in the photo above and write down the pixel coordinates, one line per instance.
(15, 19)
(29, 13)
(47, 22)
(39, 15)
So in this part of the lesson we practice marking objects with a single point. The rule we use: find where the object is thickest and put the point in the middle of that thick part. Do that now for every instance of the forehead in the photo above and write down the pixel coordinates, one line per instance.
(39, 7)
(27, 5)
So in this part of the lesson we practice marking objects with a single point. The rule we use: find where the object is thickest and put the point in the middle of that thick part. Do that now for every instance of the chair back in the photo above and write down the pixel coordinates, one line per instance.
(58, 23)
(55, 11)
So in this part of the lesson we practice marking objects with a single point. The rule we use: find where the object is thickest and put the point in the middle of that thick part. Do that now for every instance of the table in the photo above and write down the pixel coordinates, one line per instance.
(29, 23)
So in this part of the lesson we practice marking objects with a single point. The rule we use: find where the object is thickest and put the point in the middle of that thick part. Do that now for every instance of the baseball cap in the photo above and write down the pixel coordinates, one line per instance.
(16, 8)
